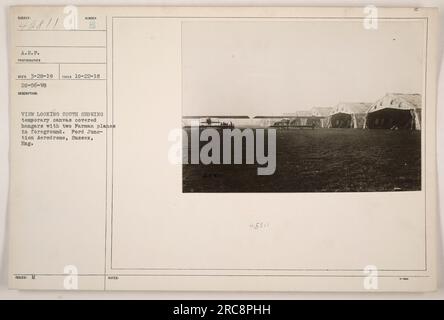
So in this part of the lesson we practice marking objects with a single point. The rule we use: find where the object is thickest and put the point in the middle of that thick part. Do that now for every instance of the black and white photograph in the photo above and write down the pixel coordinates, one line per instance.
(321, 105)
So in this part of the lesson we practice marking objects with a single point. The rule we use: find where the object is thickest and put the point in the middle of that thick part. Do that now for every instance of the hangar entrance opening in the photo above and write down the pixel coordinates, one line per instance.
(341, 120)
(390, 119)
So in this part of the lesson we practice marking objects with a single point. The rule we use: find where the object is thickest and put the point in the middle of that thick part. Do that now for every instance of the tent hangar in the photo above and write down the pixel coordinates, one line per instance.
(320, 116)
(348, 115)
(395, 111)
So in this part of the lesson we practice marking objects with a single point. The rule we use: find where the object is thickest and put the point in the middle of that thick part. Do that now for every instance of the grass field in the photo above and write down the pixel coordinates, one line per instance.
(322, 160)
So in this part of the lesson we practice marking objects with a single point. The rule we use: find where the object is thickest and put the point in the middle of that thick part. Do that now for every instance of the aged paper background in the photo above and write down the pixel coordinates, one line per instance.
(169, 171)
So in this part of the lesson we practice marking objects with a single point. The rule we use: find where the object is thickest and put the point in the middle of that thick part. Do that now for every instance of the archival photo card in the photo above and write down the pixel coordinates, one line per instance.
(223, 148)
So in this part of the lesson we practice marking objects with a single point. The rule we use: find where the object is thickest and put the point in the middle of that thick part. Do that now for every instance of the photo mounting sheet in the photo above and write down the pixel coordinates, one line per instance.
(223, 148)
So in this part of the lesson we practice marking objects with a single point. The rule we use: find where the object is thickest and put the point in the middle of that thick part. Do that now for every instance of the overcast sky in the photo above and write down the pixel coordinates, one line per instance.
(269, 68)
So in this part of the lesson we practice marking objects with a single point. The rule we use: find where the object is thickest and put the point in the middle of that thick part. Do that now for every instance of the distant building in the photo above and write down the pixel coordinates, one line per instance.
(321, 115)
(214, 120)
(316, 117)
(299, 113)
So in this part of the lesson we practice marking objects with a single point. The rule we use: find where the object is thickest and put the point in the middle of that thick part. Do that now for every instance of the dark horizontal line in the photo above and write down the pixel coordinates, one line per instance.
(59, 274)
(61, 46)
(215, 116)
(216, 275)
(45, 30)
(299, 192)
(264, 269)
(60, 63)
(265, 17)
(59, 79)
